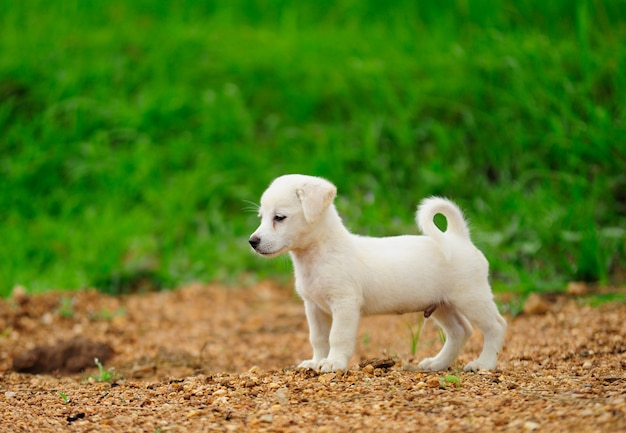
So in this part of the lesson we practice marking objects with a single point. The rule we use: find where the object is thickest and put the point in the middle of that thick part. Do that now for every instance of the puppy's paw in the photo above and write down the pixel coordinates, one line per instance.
(478, 365)
(309, 363)
(432, 364)
(327, 365)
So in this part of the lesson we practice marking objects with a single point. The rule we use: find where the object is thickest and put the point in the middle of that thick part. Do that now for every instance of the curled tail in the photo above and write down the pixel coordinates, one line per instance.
(456, 222)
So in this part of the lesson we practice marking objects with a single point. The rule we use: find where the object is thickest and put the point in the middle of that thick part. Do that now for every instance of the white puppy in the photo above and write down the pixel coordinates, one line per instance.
(341, 276)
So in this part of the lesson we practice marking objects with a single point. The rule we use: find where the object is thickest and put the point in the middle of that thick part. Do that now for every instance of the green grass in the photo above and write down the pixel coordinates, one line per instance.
(449, 379)
(133, 134)
(104, 375)
(415, 333)
(64, 397)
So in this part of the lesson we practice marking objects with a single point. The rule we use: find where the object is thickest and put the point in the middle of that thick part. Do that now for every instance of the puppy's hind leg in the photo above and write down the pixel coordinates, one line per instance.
(493, 326)
(457, 329)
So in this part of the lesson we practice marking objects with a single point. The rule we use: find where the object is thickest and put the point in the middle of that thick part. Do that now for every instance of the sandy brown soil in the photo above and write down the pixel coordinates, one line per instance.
(208, 358)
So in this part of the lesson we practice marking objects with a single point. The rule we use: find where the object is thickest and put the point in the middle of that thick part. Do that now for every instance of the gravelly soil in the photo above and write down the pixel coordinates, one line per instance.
(209, 358)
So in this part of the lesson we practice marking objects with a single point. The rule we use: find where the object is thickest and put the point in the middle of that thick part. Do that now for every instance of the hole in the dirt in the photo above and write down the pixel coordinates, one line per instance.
(68, 356)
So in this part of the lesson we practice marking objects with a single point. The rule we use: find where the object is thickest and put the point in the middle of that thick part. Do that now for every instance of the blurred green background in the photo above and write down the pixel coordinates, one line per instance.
(135, 134)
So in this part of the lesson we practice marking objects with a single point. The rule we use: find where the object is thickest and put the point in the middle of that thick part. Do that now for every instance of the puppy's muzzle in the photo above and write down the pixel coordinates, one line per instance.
(254, 241)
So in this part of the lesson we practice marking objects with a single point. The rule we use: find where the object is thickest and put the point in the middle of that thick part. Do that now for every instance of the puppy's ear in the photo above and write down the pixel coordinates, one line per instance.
(315, 197)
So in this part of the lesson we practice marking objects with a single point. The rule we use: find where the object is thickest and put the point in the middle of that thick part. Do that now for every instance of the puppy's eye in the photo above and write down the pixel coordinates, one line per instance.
(279, 218)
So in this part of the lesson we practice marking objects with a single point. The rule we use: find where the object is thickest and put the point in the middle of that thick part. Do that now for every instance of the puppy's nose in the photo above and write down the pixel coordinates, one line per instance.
(254, 241)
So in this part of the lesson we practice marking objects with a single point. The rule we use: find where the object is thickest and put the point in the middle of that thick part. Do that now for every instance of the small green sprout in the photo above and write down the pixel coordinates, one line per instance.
(66, 308)
(449, 379)
(107, 314)
(64, 397)
(5, 332)
(514, 307)
(442, 336)
(416, 334)
(104, 375)
(366, 338)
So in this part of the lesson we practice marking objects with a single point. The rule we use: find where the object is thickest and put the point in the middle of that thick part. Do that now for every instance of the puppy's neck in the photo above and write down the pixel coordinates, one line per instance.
(325, 234)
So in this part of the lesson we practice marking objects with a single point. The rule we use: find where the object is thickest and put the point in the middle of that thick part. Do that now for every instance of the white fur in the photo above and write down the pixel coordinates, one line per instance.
(341, 276)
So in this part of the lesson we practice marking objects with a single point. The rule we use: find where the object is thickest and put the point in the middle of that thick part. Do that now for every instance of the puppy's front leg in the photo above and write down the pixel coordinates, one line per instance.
(319, 329)
(345, 324)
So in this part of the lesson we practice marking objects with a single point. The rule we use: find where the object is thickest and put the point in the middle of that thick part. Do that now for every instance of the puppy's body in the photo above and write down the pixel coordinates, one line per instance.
(341, 276)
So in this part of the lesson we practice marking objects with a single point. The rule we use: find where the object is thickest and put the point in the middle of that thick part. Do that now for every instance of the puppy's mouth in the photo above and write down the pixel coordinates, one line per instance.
(268, 254)
(262, 249)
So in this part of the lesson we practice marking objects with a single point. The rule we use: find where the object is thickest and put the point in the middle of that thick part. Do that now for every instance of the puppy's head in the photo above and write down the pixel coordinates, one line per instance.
(290, 209)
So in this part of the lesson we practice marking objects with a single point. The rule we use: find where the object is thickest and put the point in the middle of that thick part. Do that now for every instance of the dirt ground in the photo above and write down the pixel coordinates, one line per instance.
(209, 358)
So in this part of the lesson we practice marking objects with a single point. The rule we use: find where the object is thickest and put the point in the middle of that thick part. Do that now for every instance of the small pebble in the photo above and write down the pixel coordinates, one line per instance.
(268, 417)
(407, 366)
(255, 370)
(368, 369)
(531, 426)
(194, 413)
(535, 304)
(18, 292)
(433, 382)
(577, 288)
